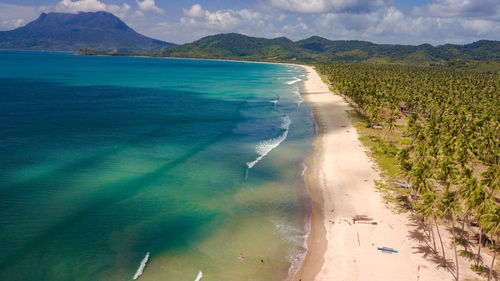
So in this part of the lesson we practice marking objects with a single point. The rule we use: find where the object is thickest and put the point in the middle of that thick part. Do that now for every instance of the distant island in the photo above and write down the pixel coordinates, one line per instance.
(70, 32)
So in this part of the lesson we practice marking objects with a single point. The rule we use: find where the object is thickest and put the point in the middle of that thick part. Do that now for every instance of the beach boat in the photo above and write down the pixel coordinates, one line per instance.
(387, 250)
(403, 185)
(361, 218)
(368, 222)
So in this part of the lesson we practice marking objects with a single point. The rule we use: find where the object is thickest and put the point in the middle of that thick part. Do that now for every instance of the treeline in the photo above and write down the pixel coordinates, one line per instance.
(451, 155)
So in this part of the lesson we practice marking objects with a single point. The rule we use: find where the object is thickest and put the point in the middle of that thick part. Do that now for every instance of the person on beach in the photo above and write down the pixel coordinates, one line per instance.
(241, 256)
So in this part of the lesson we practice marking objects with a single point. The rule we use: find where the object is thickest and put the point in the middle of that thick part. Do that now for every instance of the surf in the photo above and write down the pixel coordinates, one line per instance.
(264, 147)
(140, 270)
(295, 80)
(199, 276)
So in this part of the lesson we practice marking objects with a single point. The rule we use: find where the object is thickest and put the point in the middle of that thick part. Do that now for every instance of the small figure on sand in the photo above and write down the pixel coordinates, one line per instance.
(241, 256)
(262, 261)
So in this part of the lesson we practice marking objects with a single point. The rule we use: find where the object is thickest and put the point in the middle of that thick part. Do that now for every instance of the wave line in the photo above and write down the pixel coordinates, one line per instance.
(140, 270)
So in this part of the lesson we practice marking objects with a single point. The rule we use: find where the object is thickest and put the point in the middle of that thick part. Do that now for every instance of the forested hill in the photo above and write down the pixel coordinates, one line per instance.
(317, 49)
(70, 32)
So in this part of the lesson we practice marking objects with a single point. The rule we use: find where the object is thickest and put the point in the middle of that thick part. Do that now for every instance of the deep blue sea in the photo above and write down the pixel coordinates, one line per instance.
(116, 168)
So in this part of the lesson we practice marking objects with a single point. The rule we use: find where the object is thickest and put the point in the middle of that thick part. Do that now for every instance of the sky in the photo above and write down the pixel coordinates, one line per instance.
(380, 21)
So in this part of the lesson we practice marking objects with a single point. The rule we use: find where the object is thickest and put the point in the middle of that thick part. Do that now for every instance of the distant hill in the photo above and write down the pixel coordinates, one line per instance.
(70, 32)
(317, 49)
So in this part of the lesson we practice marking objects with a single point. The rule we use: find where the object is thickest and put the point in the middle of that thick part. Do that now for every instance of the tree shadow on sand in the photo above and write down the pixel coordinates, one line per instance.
(418, 233)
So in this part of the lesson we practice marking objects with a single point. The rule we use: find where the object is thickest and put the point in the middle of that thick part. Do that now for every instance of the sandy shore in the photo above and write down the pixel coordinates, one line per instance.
(340, 179)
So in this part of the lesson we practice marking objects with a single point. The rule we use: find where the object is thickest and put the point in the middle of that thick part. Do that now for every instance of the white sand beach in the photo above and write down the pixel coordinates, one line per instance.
(341, 182)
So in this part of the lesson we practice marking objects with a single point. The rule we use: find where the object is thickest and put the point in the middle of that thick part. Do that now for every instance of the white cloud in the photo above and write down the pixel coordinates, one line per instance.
(221, 20)
(390, 25)
(11, 24)
(70, 6)
(463, 8)
(324, 6)
(298, 28)
(196, 11)
(14, 16)
(149, 6)
(480, 27)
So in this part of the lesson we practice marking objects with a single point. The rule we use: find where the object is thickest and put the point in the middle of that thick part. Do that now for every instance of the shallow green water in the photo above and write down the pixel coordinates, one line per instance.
(106, 159)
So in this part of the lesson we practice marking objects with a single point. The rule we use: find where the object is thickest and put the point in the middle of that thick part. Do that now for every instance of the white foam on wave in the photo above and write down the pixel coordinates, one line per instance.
(274, 102)
(140, 270)
(299, 97)
(264, 147)
(295, 236)
(295, 80)
(304, 169)
(199, 276)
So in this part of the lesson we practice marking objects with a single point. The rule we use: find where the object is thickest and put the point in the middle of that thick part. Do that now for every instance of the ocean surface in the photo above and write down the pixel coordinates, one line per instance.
(118, 168)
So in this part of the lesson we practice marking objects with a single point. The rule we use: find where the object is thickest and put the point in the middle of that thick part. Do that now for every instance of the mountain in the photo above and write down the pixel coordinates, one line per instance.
(317, 50)
(233, 45)
(70, 32)
(236, 46)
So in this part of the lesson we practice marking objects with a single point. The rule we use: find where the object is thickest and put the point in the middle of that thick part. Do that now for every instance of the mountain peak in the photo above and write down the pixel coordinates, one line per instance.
(70, 32)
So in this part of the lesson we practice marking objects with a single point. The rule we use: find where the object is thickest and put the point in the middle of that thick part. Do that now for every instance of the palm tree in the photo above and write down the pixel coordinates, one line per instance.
(431, 208)
(491, 223)
(426, 209)
(482, 204)
(491, 178)
(472, 195)
(449, 205)
(447, 171)
(420, 175)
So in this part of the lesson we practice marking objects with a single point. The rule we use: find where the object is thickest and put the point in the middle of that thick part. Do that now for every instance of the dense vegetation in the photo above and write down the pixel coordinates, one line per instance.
(70, 32)
(449, 147)
(319, 50)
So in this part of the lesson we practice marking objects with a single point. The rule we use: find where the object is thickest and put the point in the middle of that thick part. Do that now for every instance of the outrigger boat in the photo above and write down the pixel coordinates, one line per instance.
(403, 185)
(387, 250)
(361, 218)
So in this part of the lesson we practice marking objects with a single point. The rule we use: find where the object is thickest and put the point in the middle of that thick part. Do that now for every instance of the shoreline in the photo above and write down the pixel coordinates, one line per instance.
(340, 178)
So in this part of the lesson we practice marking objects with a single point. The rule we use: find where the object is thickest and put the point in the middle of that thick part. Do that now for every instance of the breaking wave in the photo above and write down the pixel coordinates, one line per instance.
(140, 270)
(199, 276)
(296, 237)
(264, 147)
(295, 80)
(274, 102)
(300, 99)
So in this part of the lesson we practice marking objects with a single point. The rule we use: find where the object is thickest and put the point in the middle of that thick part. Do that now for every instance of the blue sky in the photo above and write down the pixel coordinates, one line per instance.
(380, 21)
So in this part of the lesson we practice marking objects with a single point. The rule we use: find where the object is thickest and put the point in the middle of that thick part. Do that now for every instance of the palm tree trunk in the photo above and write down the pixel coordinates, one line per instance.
(462, 236)
(490, 274)
(441, 241)
(454, 245)
(479, 248)
(433, 237)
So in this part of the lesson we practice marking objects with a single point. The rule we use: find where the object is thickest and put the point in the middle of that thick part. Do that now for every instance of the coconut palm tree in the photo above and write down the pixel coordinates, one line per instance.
(491, 223)
(427, 209)
(450, 207)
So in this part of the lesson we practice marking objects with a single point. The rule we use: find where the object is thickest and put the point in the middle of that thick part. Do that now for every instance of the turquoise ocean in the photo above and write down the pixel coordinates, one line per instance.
(121, 168)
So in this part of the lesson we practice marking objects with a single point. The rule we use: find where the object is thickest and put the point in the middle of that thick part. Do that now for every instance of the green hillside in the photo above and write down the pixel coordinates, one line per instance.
(319, 50)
